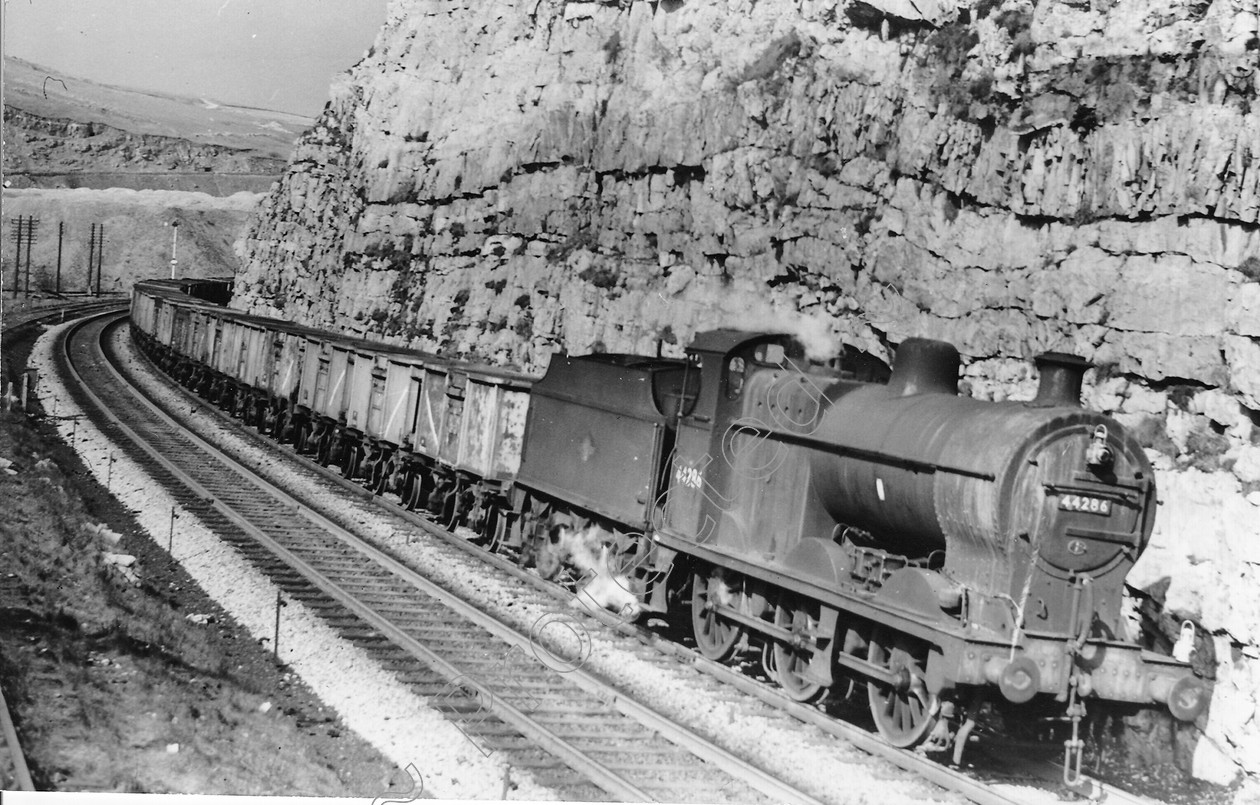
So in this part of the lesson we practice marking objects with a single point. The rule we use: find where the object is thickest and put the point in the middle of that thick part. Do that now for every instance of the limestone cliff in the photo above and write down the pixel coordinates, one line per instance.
(503, 179)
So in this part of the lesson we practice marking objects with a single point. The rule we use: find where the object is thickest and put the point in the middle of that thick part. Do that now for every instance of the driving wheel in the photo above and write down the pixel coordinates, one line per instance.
(715, 637)
(904, 712)
(790, 662)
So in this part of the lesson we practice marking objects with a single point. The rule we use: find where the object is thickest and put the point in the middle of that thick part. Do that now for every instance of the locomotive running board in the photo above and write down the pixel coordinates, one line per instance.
(907, 621)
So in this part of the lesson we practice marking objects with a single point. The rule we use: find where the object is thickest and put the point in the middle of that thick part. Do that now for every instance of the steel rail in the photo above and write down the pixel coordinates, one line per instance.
(906, 759)
(25, 318)
(871, 743)
(517, 718)
(727, 762)
(28, 317)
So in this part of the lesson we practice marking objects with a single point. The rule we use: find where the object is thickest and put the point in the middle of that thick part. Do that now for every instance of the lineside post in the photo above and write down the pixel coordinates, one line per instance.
(275, 642)
(91, 259)
(17, 236)
(170, 537)
(61, 233)
(100, 256)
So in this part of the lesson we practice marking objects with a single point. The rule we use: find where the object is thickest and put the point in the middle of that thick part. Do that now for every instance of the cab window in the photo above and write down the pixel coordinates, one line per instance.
(770, 354)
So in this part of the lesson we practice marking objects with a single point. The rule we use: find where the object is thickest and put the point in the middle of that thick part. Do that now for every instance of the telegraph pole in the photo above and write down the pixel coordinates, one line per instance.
(17, 234)
(96, 250)
(61, 233)
(24, 227)
(100, 255)
(91, 258)
(31, 224)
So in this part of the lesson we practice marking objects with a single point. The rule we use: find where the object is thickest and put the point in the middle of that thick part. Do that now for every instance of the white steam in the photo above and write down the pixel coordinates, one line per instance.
(586, 551)
(741, 304)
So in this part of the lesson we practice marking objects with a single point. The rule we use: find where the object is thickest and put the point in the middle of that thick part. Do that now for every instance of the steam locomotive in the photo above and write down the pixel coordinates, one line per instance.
(861, 527)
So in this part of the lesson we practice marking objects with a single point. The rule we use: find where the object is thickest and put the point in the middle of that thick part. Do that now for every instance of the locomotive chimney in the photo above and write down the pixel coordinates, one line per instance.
(923, 366)
(1061, 378)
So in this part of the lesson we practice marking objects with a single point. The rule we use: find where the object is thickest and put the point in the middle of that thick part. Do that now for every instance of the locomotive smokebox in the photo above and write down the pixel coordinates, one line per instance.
(1061, 378)
(924, 366)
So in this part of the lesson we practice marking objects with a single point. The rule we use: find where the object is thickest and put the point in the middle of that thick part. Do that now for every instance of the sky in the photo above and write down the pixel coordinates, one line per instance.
(271, 54)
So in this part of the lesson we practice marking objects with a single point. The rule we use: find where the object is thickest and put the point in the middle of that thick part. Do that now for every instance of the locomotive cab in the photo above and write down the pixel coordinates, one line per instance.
(703, 468)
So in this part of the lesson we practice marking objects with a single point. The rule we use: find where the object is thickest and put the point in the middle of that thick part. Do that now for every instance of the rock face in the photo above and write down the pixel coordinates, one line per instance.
(502, 180)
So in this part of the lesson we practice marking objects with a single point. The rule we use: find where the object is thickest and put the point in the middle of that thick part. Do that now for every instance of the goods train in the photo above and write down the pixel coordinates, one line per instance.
(876, 531)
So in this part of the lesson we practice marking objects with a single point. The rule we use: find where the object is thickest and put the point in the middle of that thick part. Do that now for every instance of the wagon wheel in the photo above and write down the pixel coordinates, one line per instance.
(788, 663)
(323, 447)
(413, 489)
(387, 474)
(905, 712)
(496, 529)
(715, 637)
(390, 475)
(407, 486)
(300, 433)
(351, 460)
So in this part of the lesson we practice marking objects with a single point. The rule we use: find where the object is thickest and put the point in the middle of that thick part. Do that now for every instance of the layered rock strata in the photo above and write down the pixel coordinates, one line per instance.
(501, 180)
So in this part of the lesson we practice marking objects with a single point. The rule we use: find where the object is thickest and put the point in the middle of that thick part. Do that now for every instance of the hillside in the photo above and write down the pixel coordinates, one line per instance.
(137, 235)
(80, 155)
(61, 131)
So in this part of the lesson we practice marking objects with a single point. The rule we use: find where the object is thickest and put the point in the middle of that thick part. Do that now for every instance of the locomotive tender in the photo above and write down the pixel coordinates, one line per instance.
(893, 534)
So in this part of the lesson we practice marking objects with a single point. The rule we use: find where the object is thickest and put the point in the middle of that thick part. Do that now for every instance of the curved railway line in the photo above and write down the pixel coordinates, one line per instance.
(572, 729)
(569, 728)
(14, 772)
(18, 322)
(59, 309)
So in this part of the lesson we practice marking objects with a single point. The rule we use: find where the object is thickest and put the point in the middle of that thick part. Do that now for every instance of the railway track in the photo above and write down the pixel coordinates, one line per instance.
(503, 687)
(541, 718)
(58, 309)
(15, 339)
(17, 332)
